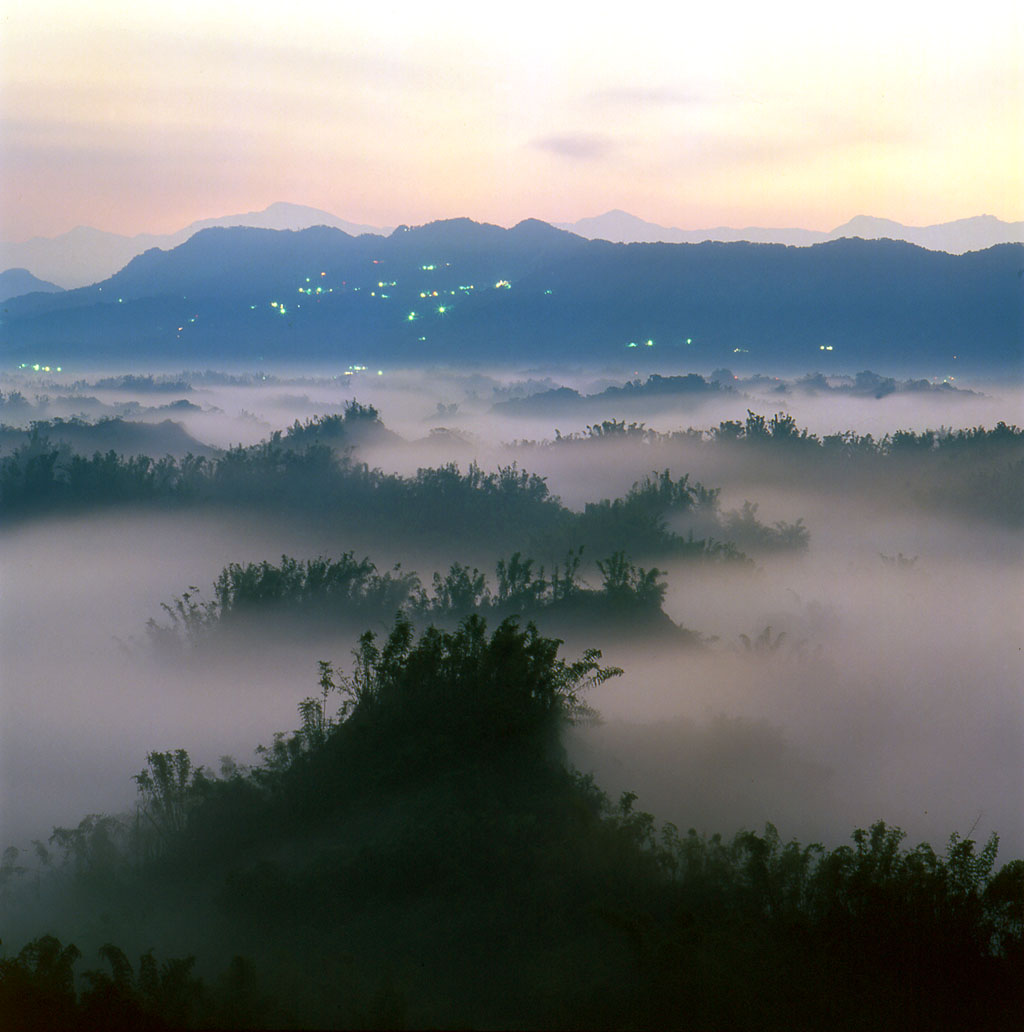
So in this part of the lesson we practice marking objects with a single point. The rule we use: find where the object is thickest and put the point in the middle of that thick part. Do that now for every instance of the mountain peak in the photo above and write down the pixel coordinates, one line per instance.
(15, 282)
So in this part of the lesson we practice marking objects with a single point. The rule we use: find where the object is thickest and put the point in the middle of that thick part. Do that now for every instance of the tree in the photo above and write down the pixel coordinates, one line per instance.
(169, 786)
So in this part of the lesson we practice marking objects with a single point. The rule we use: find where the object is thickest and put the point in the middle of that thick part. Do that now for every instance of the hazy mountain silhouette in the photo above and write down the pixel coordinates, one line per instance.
(972, 234)
(84, 255)
(14, 282)
(460, 290)
(620, 227)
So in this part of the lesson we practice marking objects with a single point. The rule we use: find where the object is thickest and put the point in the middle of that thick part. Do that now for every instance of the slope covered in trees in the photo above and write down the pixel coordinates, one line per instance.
(473, 292)
(301, 474)
(417, 853)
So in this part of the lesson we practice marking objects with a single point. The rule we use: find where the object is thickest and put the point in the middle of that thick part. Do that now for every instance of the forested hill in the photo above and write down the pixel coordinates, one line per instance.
(482, 293)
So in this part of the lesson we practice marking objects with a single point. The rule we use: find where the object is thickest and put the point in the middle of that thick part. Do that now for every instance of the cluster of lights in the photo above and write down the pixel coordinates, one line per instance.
(465, 289)
(741, 351)
(824, 347)
(279, 305)
(36, 367)
(647, 344)
(503, 284)
(311, 290)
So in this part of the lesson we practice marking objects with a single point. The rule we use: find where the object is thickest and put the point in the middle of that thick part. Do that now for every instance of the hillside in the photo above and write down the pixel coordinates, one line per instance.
(462, 290)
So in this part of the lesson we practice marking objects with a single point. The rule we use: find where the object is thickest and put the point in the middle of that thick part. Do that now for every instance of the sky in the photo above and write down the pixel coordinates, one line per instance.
(144, 117)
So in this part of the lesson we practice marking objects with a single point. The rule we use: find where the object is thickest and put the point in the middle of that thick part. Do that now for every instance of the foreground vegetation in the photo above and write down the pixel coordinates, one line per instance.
(419, 853)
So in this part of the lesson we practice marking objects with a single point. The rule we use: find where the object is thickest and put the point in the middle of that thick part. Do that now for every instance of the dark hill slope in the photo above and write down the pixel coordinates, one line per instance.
(458, 289)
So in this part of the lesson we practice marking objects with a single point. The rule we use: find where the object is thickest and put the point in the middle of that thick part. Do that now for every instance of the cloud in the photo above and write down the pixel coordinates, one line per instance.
(576, 146)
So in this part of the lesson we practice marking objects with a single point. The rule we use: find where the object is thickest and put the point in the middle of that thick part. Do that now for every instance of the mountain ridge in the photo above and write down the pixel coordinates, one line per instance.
(465, 291)
(15, 282)
(84, 255)
(974, 233)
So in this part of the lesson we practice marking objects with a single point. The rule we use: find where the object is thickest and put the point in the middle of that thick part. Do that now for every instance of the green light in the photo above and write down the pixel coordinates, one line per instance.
(689, 340)
(441, 309)
(412, 317)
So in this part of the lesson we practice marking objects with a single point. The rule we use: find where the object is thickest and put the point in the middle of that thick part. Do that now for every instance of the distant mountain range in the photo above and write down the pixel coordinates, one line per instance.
(463, 291)
(973, 234)
(15, 282)
(84, 256)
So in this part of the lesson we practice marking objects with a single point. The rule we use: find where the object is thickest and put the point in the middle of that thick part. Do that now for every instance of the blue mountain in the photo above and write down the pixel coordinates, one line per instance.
(462, 291)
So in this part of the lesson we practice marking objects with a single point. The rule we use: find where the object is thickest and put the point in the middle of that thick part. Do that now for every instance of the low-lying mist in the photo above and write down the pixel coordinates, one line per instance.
(875, 675)
(491, 406)
(843, 688)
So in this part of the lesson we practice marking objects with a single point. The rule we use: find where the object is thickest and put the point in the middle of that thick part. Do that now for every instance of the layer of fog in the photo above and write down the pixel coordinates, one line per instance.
(894, 695)
(893, 692)
(221, 410)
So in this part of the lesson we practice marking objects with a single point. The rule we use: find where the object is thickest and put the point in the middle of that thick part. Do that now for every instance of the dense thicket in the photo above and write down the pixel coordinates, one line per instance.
(418, 853)
(300, 473)
(970, 471)
(313, 595)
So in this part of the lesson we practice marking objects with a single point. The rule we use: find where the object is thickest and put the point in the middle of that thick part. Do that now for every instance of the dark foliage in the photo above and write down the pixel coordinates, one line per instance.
(309, 596)
(417, 853)
(972, 471)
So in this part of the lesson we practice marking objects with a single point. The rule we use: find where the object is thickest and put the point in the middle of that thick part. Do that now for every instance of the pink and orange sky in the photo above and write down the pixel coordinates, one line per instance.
(141, 116)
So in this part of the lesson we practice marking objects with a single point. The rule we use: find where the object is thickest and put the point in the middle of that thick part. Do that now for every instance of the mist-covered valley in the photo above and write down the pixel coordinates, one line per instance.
(811, 586)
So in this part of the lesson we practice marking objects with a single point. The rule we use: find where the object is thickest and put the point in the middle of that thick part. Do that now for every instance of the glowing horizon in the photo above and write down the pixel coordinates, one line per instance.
(148, 119)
